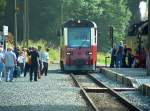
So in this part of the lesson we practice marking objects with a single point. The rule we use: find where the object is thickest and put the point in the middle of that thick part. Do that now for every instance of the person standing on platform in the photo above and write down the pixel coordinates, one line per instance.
(124, 64)
(40, 62)
(113, 56)
(130, 58)
(21, 61)
(10, 63)
(119, 55)
(27, 63)
(45, 57)
(34, 64)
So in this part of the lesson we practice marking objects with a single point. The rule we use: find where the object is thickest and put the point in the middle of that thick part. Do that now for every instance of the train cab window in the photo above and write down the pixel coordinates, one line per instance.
(79, 37)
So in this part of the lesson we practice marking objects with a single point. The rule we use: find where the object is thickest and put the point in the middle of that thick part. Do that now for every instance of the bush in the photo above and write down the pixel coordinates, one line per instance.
(101, 58)
(54, 55)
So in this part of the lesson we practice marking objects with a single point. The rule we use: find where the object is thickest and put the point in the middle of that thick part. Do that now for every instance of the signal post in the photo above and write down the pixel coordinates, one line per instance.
(148, 45)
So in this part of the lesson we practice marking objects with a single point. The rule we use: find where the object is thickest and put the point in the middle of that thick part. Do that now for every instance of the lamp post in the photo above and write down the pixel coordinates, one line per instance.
(148, 45)
(15, 24)
(112, 35)
(28, 26)
(26, 22)
(62, 14)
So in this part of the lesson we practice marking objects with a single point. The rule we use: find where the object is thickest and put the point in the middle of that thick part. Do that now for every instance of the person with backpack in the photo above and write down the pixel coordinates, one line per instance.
(113, 56)
(119, 55)
(45, 57)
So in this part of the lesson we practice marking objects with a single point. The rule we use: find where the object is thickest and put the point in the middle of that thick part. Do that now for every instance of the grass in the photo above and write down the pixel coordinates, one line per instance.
(101, 56)
(54, 55)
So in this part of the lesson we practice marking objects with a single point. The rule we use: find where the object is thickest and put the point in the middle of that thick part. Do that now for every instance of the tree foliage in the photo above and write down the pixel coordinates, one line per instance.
(105, 13)
(2, 10)
(46, 17)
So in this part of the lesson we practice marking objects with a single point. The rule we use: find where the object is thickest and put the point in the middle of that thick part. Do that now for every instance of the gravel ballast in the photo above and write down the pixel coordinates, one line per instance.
(137, 99)
(85, 81)
(106, 102)
(54, 92)
(134, 97)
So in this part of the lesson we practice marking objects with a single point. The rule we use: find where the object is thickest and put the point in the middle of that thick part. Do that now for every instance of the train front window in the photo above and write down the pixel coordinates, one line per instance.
(79, 37)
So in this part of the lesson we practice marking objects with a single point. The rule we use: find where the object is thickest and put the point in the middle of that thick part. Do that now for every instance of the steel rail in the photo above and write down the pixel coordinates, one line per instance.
(102, 90)
(112, 92)
(83, 92)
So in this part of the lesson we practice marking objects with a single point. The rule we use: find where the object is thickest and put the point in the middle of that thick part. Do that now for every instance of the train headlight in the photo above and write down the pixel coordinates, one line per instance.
(68, 53)
(90, 53)
(79, 21)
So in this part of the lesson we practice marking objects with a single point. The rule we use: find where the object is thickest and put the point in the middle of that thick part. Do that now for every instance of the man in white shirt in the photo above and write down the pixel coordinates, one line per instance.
(45, 58)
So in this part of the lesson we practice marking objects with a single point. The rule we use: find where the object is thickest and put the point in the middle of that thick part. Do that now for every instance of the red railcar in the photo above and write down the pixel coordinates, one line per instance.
(78, 46)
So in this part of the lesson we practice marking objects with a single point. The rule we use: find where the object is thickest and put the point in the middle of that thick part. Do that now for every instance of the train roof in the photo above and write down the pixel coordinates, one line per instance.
(140, 27)
(79, 23)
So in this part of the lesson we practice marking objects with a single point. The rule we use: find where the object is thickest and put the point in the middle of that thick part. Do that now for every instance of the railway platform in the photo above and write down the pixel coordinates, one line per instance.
(133, 77)
(145, 89)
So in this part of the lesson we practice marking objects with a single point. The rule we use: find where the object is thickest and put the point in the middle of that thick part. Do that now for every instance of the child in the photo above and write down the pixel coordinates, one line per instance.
(21, 61)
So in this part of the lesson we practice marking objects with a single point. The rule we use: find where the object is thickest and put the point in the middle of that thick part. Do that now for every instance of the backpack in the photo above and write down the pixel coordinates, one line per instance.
(29, 60)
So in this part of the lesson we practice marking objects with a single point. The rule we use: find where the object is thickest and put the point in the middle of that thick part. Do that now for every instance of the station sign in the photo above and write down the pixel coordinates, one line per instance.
(1, 41)
(5, 30)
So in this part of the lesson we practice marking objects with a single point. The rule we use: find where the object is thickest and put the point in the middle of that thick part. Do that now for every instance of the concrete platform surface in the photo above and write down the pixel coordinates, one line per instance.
(145, 89)
(134, 77)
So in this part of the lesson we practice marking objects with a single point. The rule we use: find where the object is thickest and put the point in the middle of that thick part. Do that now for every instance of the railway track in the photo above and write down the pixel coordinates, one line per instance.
(101, 97)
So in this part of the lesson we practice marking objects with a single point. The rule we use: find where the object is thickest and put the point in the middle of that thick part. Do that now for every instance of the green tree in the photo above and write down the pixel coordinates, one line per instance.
(105, 13)
(2, 11)
(45, 17)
